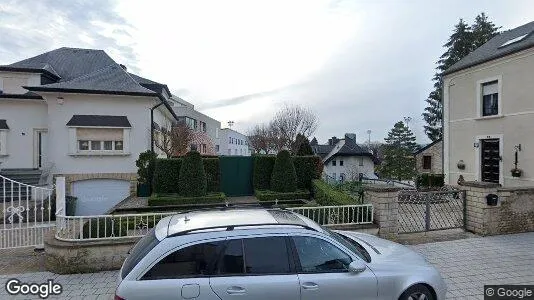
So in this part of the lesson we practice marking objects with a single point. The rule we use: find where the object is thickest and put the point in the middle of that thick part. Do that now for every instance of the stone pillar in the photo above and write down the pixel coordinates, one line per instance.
(385, 206)
(478, 213)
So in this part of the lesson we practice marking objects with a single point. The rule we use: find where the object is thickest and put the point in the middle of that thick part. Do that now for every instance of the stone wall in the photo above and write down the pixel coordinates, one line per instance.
(385, 208)
(436, 152)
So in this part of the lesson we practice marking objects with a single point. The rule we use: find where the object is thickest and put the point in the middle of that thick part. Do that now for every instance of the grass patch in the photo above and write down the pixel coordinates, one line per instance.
(175, 199)
(268, 195)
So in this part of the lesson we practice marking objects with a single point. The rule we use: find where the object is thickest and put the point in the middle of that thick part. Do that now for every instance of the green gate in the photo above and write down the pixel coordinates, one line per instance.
(236, 175)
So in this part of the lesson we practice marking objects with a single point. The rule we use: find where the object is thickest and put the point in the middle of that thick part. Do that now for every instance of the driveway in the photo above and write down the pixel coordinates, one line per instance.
(466, 266)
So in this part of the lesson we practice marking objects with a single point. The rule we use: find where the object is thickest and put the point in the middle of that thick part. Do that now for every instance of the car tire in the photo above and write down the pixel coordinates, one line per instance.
(417, 292)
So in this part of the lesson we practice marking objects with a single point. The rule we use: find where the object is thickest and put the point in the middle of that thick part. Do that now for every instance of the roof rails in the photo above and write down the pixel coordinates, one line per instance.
(232, 227)
(230, 207)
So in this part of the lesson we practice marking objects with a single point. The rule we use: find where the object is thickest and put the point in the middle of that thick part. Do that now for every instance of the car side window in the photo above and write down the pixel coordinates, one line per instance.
(231, 261)
(319, 256)
(266, 255)
(192, 261)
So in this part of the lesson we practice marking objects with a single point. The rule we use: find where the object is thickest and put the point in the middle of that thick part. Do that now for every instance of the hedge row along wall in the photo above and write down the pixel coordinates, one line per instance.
(167, 173)
(325, 195)
(307, 168)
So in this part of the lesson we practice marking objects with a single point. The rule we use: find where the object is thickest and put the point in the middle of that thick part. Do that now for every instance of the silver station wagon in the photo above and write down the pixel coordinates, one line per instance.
(270, 254)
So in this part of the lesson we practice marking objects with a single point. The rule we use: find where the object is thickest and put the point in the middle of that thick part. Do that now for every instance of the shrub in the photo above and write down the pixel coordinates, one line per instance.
(145, 166)
(213, 174)
(192, 180)
(307, 168)
(430, 180)
(263, 169)
(305, 148)
(166, 175)
(175, 199)
(266, 195)
(326, 195)
(284, 177)
(99, 228)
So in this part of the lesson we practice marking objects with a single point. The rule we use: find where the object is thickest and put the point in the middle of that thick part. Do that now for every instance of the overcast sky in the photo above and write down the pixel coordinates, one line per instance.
(358, 64)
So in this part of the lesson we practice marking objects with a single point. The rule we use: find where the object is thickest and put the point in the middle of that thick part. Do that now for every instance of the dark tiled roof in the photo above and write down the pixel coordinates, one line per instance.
(493, 50)
(3, 124)
(427, 146)
(150, 84)
(95, 120)
(322, 150)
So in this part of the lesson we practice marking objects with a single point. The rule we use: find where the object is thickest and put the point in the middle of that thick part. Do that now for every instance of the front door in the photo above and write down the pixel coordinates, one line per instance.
(490, 160)
(40, 148)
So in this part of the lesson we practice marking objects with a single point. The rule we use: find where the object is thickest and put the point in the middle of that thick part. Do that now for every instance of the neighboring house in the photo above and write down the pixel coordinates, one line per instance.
(429, 159)
(233, 143)
(489, 111)
(344, 159)
(79, 114)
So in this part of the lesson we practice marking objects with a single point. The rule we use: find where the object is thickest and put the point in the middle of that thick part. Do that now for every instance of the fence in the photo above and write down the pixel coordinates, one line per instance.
(338, 215)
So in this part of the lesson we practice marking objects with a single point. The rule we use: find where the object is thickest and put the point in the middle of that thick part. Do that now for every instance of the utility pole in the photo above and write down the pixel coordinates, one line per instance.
(369, 140)
(230, 124)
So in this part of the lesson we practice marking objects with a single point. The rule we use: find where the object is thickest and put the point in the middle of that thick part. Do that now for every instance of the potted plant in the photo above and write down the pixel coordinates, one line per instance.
(145, 171)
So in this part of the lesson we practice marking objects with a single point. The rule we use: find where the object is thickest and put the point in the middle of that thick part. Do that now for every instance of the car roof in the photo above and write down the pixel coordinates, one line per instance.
(229, 219)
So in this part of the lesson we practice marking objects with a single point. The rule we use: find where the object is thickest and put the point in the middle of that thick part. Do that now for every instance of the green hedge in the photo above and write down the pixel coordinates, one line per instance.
(284, 177)
(326, 195)
(166, 175)
(307, 168)
(266, 195)
(430, 180)
(263, 168)
(192, 180)
(175, 199)
(213, 174)
(99, 228)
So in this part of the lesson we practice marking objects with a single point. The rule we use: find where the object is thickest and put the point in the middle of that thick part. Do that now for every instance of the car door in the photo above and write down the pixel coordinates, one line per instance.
(182, 274)
(323, 272)
(256, 268)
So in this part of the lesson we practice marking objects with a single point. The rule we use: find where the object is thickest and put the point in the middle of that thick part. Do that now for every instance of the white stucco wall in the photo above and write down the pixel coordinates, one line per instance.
(13, 82)
(213, 126)
(23, 118)
(351, 167)
(235, 149)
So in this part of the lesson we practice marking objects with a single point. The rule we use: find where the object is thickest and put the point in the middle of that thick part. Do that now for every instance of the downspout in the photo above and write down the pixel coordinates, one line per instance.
(152, 125)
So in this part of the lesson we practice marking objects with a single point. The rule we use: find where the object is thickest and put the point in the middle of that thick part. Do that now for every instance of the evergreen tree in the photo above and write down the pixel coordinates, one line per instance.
(305, 148)
(463, 41)
(192, 181)
(284, 176)
(399, 162)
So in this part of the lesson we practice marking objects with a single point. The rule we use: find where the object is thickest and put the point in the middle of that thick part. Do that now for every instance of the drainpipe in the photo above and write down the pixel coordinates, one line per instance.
(152, 125)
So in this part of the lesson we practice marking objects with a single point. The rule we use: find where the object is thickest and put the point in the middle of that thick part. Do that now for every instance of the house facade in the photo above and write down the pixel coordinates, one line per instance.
(79, 114)
(233, 143)
(489, 112)
(344, 159)
(429, 159)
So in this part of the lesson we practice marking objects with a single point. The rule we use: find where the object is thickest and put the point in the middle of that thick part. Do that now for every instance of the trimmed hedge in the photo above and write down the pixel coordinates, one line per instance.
(166, 175)
(307, 168)
(192, 180)
(263, 168)
(266, 195)
(284, 177)
(430, 180)
(326, 195)
(175, 199)
(99, 228)
(213, 174)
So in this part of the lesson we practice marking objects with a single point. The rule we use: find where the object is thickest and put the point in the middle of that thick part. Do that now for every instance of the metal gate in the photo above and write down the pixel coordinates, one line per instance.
(236, 175)
(428, 211)
(28, 213)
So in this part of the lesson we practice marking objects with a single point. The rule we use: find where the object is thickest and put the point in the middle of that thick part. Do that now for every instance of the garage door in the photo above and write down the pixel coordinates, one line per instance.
(97, 196)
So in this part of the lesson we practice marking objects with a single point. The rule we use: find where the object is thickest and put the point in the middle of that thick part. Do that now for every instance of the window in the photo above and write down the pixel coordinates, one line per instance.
(96, 145)
(202, 126)
(341, 163)
(191, 123)
(333, 163)
(98, 139)
(230, 140)
(147, 243)
(119, 145)
(231, 262)
(319, 256)
(204, 148)
(266, 255)
(427, 162)
(83, 145)
(108, 145)
(361, 160)
(192, 261)
(490, 98)
(217, 148)
(334, 176)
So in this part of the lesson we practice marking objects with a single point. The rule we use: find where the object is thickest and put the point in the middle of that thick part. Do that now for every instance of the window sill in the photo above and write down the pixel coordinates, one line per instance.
(490, 117)
(99, 153)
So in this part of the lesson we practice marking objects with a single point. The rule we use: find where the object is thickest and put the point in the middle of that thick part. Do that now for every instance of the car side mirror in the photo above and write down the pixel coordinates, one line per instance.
(357, 266)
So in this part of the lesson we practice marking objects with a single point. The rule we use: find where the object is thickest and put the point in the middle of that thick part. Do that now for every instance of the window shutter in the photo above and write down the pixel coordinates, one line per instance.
(490, 88)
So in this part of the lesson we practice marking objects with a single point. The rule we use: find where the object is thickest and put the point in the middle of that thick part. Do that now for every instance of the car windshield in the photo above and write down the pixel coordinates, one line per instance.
(350, 244)
(147, 243)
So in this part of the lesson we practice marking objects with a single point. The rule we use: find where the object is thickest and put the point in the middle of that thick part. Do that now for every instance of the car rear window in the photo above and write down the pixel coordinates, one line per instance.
(147, 243)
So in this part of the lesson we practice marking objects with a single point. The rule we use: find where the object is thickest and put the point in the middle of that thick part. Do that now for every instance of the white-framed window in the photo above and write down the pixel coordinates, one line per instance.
(489, 99)
(87, 141)
(91, 145)
(361, 161)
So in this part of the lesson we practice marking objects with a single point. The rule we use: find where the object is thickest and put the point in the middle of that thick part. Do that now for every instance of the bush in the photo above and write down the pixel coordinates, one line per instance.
(145, 166)
(266, 195)
(175, 199)
(326, 195)
(213, 174)
(305, 149)
(307, 168)
(284, 177)
(263, 169)
(166, 175)
(430, 180)
(192, 180)
(99, 228)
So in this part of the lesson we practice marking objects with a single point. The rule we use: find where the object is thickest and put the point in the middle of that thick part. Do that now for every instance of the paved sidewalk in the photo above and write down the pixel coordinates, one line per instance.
(466, 266)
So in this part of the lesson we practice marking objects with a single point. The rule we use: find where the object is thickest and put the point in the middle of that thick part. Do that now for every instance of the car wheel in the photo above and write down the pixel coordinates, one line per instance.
(417, 292)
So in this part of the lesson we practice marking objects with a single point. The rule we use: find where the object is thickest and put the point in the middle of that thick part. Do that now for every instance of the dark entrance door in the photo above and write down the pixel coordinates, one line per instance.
(236, 175)
(490, 160)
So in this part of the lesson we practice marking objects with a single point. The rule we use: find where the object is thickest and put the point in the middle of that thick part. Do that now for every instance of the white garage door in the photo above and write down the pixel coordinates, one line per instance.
(97, 196)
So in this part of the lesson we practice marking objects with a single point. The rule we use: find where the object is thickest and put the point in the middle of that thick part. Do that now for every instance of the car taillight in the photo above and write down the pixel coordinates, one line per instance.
(118, 298)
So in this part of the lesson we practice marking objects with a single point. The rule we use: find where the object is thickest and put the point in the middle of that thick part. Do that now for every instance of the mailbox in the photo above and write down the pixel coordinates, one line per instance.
(491, 199)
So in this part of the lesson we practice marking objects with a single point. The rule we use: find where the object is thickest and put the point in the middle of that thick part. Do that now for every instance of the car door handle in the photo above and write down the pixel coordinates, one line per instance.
(310, 286)
(235, 290)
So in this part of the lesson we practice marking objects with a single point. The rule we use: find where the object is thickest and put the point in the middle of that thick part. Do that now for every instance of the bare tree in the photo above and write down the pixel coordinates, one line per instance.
(173, 141)
(258, 137)
(292, 120)
(275, 141)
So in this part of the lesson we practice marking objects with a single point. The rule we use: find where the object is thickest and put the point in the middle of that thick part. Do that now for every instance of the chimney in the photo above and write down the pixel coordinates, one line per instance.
(333, 141)
(351, 136)
(123, 67)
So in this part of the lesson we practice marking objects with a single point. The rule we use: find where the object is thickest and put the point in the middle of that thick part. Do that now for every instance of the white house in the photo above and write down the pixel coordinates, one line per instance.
(79, 114)
(344, 159)
(233, 143)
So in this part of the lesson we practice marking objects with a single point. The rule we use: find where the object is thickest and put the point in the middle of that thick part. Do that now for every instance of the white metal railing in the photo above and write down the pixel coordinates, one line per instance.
(105, 227)
(26, 213)
(338, 215)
